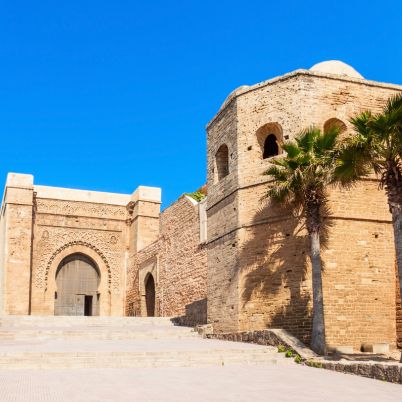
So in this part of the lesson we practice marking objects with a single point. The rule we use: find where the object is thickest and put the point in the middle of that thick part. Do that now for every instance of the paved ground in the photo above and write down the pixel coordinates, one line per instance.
(218, 369)
(277, 383)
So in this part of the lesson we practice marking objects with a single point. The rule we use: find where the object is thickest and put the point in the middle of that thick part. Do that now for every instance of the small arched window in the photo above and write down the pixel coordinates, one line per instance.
(335, 123)
(271, 147)
(221, 163)
(269, 136)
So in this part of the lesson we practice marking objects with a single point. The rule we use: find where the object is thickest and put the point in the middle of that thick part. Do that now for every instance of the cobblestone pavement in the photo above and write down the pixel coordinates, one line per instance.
(278, 383)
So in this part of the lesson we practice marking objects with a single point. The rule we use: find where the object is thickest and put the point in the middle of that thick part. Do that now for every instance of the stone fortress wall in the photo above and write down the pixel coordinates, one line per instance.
(233, 260)
(178, 263)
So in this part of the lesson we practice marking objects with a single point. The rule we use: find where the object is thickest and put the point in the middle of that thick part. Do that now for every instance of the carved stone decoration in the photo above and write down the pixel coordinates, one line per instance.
(59, 239)
(78, 208)
(45, 235)
(130, 209)
(78, 243)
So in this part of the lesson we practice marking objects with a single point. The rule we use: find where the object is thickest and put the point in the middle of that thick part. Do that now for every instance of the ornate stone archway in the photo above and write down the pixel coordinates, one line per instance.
(73, 245)
(43, 303)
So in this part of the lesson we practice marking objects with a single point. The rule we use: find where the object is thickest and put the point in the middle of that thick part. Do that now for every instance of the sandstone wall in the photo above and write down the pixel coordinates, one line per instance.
(292, 103)
(139, 264)
(67, 227)
(222, 213)
(177, 261)
(398, 311)
(2, 257)
(16, 249)
(182, 269)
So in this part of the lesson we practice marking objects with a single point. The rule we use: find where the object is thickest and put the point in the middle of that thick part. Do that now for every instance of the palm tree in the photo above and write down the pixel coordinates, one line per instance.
(377, 145)
(302, 178)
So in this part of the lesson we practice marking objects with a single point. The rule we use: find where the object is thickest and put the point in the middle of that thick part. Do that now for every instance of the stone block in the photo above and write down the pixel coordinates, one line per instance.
(378, 348)
(392, 374)
(378, 372)
(344, 349)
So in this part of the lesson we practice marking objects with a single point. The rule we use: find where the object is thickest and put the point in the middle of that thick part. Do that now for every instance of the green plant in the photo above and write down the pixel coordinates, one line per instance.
(197, 195)
(281, 349)
(312, 363)
(289, 353)
(298, 359)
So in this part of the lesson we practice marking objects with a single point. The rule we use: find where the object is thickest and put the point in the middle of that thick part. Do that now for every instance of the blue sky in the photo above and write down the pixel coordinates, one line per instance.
(109, 95)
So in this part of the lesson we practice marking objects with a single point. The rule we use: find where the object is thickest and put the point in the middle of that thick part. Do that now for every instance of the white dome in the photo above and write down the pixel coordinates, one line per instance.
(336, 67)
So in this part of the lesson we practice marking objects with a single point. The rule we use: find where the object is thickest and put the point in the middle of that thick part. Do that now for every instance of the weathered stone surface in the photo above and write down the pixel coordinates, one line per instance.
(378, 371)
(365, 370)
(381, 348)
(178, 260)
(392, 374)
(344, 349)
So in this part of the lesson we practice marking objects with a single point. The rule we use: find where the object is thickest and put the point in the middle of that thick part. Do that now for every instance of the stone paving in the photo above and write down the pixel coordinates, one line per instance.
(278, 383)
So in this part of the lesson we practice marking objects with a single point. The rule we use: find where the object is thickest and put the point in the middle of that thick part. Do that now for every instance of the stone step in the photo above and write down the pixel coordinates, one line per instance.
(107, 328)
(52, 360)
(62, 321)
(116, 342)
(98, 334)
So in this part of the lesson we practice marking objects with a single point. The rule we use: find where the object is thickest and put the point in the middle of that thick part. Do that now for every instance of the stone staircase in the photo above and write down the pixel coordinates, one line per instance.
(94, 328)
(116, 342)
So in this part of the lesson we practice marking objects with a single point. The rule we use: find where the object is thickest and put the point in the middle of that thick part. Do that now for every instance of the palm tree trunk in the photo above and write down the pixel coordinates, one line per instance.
(313, 222)
(397, 223)
(318, 332)
(393, 187)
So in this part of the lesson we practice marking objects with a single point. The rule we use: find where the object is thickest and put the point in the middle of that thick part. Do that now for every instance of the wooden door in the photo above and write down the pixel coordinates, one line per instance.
(77, 281)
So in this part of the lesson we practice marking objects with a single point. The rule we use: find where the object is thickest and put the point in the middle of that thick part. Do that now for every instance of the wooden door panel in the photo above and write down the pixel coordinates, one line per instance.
(75, 279)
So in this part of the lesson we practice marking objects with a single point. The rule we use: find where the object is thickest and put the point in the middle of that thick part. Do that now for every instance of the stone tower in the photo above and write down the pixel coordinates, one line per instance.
(258, 266)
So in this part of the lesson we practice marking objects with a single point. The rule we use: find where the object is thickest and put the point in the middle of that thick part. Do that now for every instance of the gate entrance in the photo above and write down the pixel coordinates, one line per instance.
(150, 296)
(77, 282)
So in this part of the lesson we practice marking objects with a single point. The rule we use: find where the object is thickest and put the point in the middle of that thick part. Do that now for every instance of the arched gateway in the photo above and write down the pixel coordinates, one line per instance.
(77, 284)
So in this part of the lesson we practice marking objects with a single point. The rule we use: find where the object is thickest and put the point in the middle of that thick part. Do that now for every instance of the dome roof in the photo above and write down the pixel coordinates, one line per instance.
(336, 67)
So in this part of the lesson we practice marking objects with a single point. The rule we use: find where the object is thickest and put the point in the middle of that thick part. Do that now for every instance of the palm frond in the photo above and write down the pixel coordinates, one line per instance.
(361, 123)
(352, 163)
(394, 103)
(306, 169)
(276, 173)
(327, 140)
(291, 148)
(305, 140)
(377, 143)
(278, 193)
